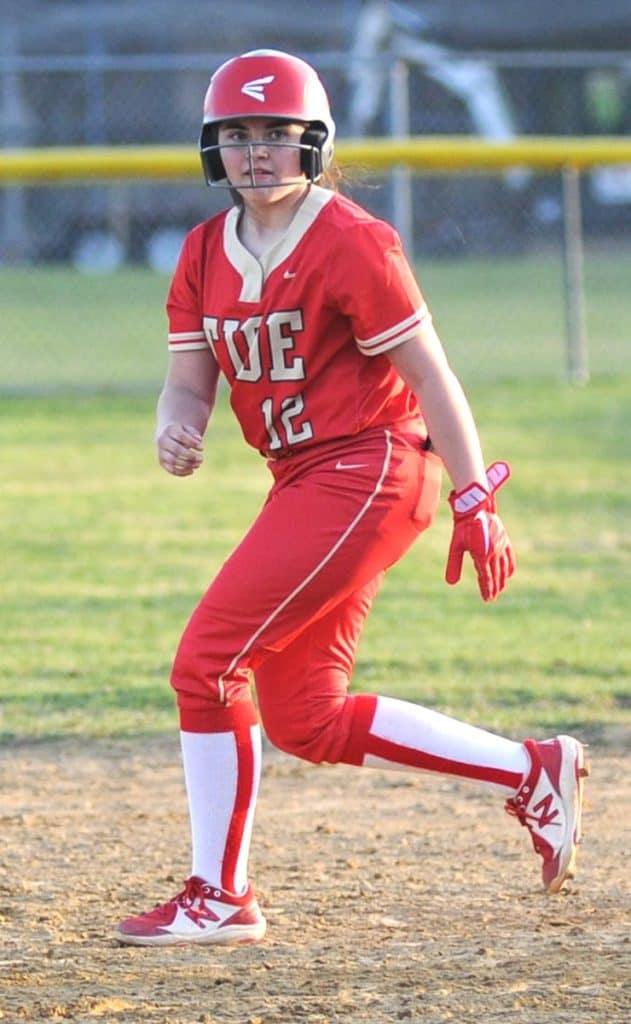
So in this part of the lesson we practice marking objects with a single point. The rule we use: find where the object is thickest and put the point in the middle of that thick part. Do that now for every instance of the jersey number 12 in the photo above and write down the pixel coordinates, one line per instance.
(290, 411)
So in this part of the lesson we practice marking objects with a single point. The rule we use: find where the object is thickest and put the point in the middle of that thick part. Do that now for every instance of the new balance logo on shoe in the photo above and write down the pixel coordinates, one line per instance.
(545, 818)
(201, 915)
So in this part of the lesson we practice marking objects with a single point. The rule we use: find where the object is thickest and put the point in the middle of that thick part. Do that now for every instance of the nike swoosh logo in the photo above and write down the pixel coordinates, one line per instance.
(350, 465)
(289, 274)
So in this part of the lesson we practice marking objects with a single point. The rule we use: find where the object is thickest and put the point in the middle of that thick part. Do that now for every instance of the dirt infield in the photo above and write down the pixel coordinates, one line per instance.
(389, 897)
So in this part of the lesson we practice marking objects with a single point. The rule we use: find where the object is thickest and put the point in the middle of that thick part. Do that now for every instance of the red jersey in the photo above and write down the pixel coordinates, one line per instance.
(300, 334)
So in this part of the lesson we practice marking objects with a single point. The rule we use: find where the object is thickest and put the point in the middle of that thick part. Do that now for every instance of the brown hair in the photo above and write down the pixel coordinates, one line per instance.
(332, 178)
(343, 179)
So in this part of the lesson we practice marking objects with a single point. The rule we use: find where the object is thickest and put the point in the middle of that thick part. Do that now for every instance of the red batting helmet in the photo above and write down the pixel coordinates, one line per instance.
(270, 84)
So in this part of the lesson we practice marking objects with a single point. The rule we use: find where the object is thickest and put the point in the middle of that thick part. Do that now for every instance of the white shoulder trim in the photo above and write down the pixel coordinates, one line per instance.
(395, 335)
(186, 341)
(186, 335)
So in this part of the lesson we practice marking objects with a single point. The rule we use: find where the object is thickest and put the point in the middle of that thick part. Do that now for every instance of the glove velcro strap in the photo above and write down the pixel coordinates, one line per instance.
(497, 474)
(472, 499)
(475, 496)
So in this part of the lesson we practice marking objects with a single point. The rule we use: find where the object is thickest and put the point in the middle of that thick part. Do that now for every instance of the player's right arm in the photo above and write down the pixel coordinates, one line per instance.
(184, 408)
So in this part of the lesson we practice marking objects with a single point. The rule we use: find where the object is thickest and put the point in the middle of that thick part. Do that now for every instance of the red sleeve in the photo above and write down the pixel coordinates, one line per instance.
(184, 310)
(370, 281)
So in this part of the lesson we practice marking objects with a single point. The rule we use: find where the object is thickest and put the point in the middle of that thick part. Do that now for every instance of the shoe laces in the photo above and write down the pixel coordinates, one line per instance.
(194, 889)
(193, 898)
(517, 809)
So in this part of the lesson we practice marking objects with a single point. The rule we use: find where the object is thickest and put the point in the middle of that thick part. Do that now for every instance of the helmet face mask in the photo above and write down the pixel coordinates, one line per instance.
(309, 145)
(275, 86)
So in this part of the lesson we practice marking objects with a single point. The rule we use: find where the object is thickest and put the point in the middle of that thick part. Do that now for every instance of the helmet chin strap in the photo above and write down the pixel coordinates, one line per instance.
(267, 184)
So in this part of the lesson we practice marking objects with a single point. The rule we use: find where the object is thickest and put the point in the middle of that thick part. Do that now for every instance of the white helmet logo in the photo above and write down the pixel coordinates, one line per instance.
(255, 88)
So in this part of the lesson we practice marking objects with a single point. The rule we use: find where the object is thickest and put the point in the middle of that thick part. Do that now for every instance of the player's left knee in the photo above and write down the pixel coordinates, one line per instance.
(320, 739)
(316, 749)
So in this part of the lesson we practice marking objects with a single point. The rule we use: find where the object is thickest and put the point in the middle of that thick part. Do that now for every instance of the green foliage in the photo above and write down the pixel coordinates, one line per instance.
(106, 555)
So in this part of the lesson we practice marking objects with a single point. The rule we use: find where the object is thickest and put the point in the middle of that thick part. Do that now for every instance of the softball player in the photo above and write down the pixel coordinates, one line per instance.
(307, 306)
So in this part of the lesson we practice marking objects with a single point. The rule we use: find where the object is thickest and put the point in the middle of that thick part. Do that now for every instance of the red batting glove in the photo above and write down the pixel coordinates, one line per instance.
(479, 530)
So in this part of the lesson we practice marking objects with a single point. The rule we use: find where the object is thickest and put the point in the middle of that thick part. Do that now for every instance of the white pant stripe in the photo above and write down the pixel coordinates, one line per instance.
(318, 568)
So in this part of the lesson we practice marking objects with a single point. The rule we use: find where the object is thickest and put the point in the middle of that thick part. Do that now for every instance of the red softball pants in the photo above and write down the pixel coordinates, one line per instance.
(290, 602)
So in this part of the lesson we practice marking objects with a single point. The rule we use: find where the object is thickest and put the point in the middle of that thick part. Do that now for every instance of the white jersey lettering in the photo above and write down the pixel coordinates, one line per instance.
(280, 343)
(251, 370)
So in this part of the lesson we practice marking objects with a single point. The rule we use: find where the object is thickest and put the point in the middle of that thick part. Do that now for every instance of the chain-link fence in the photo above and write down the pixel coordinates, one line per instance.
(84, 269)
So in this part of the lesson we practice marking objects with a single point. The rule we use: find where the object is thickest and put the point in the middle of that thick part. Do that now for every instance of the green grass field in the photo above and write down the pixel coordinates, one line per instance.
(63, 331)
(105, 555)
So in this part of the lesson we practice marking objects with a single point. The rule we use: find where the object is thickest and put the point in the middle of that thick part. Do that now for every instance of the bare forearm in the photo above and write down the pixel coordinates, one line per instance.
(178, 404)
(452, 428)
(183, 411)
(478, 529)
(423, 365)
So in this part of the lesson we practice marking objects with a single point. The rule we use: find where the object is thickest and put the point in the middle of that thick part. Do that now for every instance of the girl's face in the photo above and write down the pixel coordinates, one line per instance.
(260, 156)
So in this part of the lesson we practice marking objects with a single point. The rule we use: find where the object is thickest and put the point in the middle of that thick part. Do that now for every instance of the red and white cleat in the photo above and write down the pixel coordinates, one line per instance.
(550, 802)
(199, 914)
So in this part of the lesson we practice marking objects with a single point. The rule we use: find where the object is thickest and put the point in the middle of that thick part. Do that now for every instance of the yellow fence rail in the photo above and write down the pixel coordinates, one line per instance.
(442, 153)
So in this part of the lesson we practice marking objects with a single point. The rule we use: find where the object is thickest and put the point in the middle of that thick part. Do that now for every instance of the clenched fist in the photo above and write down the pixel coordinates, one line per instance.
(180, 449)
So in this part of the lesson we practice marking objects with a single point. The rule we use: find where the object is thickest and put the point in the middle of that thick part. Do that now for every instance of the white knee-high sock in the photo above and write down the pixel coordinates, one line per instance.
(222, 773)
(391, 733)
